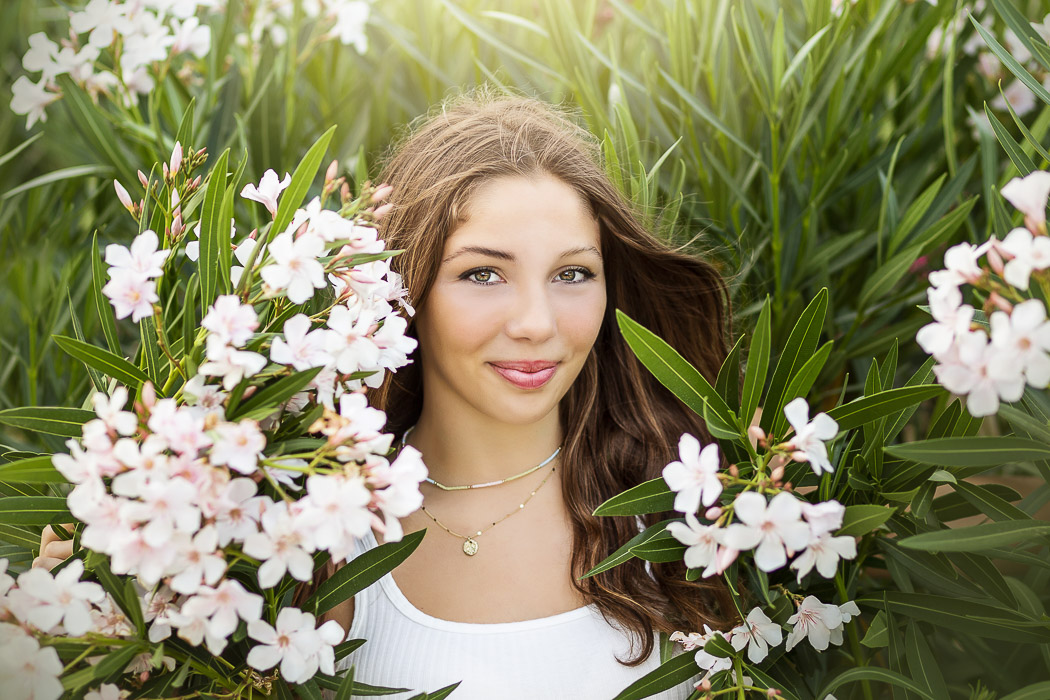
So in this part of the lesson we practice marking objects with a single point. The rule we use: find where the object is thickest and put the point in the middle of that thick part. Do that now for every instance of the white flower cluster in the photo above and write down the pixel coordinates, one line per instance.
(989, 366)
(141, 35)
(42, 603)
(147, 32)
(777, 528)
(821, 623)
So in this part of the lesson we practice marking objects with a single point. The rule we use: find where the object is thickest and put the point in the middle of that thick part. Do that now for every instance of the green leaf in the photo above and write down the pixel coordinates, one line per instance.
(922, 663)
(104, 361)
(859, 520)
(53, 420)
(1018, 157)
(309, 690)
(624, 553)
(984, 451)
(867, 409)
(1011, 63)
(35, 470)
(111, 663)
(801, 383)
(150, 350)
(876, 636)
(96, 127)
(305, 172)
(978, 537)
(869, 673)
(214, 232)
(995, 507)
(672, 370)
(33, 510)
(661, 548)
(800, 346)
(442, 693)
(1036, 691)
(105, 311)
(963, 615)
(75, 172)
(346, 688)
(276, 393)
(362, 572)
(120, 589)
(757, 366)
(719, 646)
(679, 669)
(651, 496)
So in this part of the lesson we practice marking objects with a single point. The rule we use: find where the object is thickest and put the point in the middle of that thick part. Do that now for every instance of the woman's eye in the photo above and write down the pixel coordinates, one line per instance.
(571, 273)
(481, 276)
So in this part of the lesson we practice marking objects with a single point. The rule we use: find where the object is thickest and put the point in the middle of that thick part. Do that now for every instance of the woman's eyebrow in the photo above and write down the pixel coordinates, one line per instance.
(509, 257)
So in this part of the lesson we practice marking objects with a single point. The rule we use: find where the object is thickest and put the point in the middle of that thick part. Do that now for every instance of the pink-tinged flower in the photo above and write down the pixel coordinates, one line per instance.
(283, 546)
(758, 633)
(702, 542)
(709, 662)
(224, 606)
(951, 320)
(295, 269)
(847, 610)
(143, 259)
(397, 493)
(339, 506)
(1018, 96)
(45, 601)
(108, 691)
(810, 435)
(230, 320)
(176, 161)
(350, 343)
(1025, 335)
(1028, 253)
(771, 527)
(191, 36)
(131, 295)
(694, 476)
(296, 644)
(182, 427)
(824, 552)
(813, 621)
(243, 253)
(237, 510)
(193, 248)
(204, 396)
(165, 507)
(300, 347)
(823, 517)
(1028, 194)
(231, 364)
(30, 99)
(983, 373)
(238, 445)
(110, 409)
(961, 265)
(203, 563)
(27, 670)
(268, 190)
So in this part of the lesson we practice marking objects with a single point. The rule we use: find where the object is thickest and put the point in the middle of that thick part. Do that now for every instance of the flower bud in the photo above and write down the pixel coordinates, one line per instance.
(253, 234)
(1000, 303)
(799, 456)
(777, 474)
(149, 395)
(756, 433)
(772, 693)
(176, 159)
(778, 461)
(382, 211)
(143, 180)
(332, 172)
(123, 196)
(381, 193)
(995, 260)
(344, 193)
(713, 513)
(164, 169)
(176, 226)
(249, 391)
(705, 684)
(788, 486)
(733, 471)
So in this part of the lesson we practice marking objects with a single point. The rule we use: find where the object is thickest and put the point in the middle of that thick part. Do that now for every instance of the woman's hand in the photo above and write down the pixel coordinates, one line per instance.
(53, 549)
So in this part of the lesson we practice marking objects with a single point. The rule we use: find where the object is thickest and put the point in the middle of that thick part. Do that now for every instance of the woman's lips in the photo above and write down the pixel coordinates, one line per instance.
(526, 380)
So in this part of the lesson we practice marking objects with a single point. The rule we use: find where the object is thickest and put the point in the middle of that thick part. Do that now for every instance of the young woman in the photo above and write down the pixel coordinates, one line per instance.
(530, 411)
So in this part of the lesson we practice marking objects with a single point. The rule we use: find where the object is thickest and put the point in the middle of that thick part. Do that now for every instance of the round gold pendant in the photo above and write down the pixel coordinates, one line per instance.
(470, 547)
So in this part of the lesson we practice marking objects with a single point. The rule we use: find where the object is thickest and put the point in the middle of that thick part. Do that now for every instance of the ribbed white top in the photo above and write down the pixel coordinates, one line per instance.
(568, 655)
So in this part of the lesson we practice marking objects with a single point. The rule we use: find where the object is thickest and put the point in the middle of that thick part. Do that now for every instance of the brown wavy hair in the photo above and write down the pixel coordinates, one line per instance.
(620, 425)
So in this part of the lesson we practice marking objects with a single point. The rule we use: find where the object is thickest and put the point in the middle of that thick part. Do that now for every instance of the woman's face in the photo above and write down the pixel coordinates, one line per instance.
(520, 283)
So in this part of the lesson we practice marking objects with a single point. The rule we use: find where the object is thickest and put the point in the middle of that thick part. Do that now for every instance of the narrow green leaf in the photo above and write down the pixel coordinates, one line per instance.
(624, 553)
(33, 510)
(105, 311)
(859, 520)
(276, 393)
(757, 367)
(362, 572)
(214, 232)
(651, 496)
(1018, 157)
(801, 383)
(305, 172)
(678, 670)
(871, 408)
(661, 548)
(984, 451)
(53, 420)
(34, 470)
(1036, 691)
(104, 361)
(870, 673)
(989, 503)
(111, 663)
(963, 615)
(978, 537)
(801, 344)
(1011, 63)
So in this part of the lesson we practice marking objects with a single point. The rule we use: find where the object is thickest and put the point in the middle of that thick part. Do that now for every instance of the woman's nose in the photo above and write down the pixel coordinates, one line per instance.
(532, 314)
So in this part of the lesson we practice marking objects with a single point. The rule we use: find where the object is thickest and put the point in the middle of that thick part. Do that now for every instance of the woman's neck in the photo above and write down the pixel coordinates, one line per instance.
(462, 449)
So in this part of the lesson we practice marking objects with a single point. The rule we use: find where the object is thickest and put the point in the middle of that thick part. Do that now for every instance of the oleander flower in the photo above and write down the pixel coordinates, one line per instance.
(694, 476)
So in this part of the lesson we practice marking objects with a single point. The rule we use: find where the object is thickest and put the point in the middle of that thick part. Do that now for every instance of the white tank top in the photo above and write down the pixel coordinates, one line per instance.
(567, 655)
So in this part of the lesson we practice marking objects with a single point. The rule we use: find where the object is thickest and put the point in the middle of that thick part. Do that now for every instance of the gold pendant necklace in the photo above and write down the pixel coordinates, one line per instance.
(470, 545)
